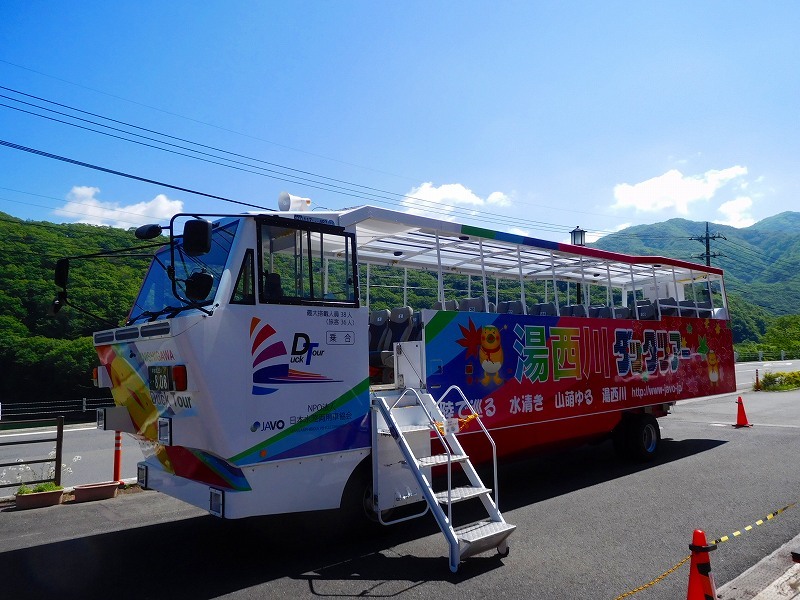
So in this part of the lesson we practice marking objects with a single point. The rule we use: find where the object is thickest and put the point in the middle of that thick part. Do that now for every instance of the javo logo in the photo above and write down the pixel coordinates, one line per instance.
(271, 359)
(267, 426)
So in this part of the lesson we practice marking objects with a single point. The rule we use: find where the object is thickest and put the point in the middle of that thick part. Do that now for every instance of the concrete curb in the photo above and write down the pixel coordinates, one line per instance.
(773, 577)
(7, 499)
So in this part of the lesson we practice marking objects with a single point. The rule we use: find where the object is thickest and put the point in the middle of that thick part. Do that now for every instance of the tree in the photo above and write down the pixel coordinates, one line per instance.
(748, 321)
(784, 334)
(51, 358)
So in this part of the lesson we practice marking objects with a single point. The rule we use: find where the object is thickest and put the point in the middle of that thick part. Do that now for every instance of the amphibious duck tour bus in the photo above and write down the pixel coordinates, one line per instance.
(264, 372)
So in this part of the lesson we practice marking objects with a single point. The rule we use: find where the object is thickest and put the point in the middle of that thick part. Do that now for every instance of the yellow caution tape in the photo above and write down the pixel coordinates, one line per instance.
(769, 517)
(724, 538)
(656, 580)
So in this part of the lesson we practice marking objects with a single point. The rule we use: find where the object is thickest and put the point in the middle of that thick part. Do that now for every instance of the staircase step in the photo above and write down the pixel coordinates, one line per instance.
(404, 419)
(405, 429)
(459, 494)
(440, 459)
(482, 536)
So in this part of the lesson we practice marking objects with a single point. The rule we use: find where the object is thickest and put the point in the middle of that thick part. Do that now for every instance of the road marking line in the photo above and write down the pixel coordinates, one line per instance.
(716, 424)
(46, 432)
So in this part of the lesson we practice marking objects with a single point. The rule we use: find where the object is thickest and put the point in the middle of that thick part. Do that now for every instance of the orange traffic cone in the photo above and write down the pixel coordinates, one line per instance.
(701, 581)
(741, 417)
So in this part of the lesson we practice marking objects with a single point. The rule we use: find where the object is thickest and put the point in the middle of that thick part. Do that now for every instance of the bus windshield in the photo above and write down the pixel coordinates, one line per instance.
(156, 299)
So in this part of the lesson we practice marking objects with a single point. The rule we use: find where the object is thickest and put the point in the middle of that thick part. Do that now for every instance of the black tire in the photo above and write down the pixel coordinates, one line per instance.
(645, 437)
(357, 504)
(637, 437)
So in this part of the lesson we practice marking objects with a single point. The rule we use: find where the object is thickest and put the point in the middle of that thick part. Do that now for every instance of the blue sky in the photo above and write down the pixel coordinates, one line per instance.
(532, 117)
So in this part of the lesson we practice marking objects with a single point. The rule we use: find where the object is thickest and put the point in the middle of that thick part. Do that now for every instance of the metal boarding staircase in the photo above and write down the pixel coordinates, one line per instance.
(408, 417)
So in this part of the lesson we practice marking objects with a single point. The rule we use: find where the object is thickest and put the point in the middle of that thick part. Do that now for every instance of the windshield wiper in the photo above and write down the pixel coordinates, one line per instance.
(169, 311)
(151, 315)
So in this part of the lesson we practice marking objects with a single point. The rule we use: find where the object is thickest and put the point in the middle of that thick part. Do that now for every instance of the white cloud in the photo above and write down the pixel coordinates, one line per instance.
(441, 202)
(593, 236)
(499, 199)
(83, 206)
(737, 212)
(674, 190)
(520, 231)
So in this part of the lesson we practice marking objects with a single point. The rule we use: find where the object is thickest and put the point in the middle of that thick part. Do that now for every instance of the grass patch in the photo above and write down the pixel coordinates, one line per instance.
(777, 382)
(49, 486)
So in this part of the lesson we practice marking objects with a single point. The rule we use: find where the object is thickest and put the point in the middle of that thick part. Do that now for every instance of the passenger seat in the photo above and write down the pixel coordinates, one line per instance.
(400, 327)
(378, 330)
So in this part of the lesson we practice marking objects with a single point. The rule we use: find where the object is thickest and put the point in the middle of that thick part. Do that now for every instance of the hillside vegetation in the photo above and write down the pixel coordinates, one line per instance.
(760, 261)
(51, 358)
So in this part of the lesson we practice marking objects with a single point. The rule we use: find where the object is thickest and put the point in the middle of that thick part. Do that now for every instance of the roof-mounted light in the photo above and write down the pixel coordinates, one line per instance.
(287, 201)
(578, 236)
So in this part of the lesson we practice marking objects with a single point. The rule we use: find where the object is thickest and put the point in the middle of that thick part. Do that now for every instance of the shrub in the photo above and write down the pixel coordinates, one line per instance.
(780, 381)
(48, 486)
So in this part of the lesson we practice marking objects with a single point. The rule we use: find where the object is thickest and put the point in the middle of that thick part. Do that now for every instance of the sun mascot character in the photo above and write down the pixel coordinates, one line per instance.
(491, 355)
(714, 372)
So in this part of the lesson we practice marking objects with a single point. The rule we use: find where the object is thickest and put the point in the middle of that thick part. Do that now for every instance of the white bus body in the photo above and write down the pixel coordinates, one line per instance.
(256, 398)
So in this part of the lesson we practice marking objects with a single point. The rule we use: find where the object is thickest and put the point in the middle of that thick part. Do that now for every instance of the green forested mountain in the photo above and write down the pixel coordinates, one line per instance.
(760, 262)
(51, 358)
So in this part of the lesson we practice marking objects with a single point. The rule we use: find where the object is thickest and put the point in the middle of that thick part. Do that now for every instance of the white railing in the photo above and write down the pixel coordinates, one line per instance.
(14, 410)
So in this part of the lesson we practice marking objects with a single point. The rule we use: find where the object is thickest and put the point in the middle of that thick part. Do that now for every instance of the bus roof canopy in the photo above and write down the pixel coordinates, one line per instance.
(387, 237)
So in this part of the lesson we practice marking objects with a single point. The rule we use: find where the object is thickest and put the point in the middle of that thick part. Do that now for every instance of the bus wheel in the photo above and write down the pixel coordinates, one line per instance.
(358, 501)
(637, 437)
(357, 497)
(645, 437)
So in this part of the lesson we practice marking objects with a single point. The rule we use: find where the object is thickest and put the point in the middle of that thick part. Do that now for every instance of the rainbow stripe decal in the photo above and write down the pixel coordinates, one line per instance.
(129, 379)
(263, 351)
(342, 424)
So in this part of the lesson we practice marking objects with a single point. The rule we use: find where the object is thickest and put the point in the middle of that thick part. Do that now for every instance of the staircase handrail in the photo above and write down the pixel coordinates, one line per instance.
(485, 432)
(442, 440)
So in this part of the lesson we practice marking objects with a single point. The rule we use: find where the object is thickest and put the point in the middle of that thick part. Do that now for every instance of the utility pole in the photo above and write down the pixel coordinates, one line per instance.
(707, 239)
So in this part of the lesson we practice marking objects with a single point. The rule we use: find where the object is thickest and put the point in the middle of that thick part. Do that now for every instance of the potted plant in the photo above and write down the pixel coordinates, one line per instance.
(42, 494)
(96, 491)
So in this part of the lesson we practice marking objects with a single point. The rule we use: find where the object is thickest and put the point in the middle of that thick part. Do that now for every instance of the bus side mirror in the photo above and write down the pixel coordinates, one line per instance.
(198, 285)
(57, 304)
(148, 232)
(62, 273)
(197, 237)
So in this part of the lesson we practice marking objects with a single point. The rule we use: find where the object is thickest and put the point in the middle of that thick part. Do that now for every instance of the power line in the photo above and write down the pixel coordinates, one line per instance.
(432, 205)
(169, 136)
(375, 194)
(82, 214)
(299, 179)
(707, 238)
(173, 114)
(122, 174)
(761, 256)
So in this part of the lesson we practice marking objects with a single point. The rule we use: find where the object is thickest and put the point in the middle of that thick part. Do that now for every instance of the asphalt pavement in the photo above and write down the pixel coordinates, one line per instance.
(147, 545)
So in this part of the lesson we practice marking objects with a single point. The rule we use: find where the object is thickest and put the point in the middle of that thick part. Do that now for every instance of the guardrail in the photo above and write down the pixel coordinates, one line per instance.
(44, 408)
(764, 355)
(59, 440)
